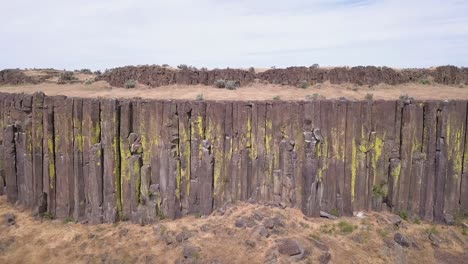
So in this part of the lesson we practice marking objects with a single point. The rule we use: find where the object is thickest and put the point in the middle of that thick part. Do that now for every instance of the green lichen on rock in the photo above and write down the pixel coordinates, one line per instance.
(51, 165)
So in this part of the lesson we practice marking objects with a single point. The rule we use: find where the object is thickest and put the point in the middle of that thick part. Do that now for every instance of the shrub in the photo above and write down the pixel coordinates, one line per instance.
(276, 98)
(424, 81)
(315, 66)
(88, 81)
(335, 212)
(252, 70)
(231, 85)
(403, 214)
(68, 220)
(405, 97)
(182, 67)
(369, 96)
(432, 230)
(165, 65)
(86, 71)
(346, 227)
(315, 96)
(98, 72)
(48, 216)
(380, 190)
(200, 97)
(66, 76)
(303, 84)
(327, 229)
(130, 83)
(220, 83)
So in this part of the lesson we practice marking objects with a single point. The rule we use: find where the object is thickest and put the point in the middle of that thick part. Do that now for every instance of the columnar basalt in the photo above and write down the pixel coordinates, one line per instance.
(105, 160)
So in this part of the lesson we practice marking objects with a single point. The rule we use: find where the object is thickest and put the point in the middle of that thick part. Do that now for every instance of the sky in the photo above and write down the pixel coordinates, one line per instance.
(101, 34)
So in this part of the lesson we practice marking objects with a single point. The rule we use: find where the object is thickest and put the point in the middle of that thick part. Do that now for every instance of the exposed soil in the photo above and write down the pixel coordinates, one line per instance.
(242, 233)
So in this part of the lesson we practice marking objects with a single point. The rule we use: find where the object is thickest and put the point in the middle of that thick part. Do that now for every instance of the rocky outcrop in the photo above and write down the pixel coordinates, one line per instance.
(103, 160)
(361, 75)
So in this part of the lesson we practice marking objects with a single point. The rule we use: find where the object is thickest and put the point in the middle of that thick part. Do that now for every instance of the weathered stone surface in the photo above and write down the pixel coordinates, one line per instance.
(63, 143)
(9, 219)
(49, 172)
(325, 258)
(37, 140)
(102, 160)
(191, 252)
(394, 219)
(92, 160)
(289, 247)
(401, 240)
(9, 156)
(111, 159)
(78, 176)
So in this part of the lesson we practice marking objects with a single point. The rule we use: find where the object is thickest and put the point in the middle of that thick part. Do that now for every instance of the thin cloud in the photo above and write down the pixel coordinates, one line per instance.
(243, 33)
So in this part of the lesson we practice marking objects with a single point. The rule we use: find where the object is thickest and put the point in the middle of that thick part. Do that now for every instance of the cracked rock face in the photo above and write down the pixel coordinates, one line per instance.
(289, 247)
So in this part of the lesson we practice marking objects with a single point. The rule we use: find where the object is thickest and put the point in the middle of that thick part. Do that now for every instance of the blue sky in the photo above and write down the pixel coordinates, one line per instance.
(233, 33)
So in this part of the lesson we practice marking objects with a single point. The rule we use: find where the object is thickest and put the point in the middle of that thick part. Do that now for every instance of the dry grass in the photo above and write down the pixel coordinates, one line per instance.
(58, 241)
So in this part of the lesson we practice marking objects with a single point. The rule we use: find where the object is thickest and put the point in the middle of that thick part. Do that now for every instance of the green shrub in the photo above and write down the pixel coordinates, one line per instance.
(220, 83)
(383, 232)
(199, 97)
(369, 97)
(346, 227)
(86, 71)
(48, 216)
(68, 220)
(66, 76)
(182, 67)
(130, 83)
(403, 214)
(315, 96)
(432, 230)
(277, 98)
(88, 81)
(327, 229)
(231, 85)
(424, 81)
(315, 66)
(335, 212)
(405, 97)
(303, 84)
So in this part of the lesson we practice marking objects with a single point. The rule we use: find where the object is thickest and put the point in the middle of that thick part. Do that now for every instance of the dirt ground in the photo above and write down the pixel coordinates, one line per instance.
(240, 233)
(253, 91)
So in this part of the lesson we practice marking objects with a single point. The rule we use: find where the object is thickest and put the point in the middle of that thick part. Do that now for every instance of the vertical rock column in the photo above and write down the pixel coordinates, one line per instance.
(312, 186)
(9, 157)
(63, 142)
(78, 176)
(92, 160)
(39, 196)
(111, 159)
(48, 148)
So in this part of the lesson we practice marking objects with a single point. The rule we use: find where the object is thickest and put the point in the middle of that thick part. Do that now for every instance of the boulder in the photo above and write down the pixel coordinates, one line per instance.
(289, 247)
